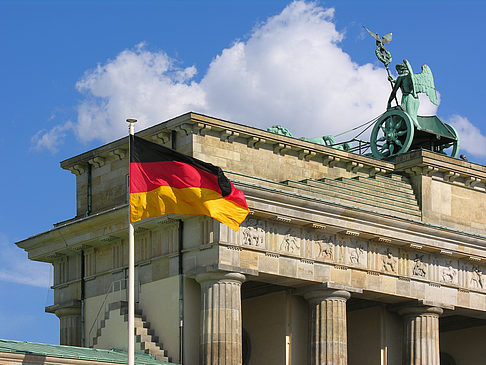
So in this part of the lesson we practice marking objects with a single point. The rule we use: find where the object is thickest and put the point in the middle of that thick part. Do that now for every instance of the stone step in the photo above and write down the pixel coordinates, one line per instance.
(348, 199)
(372, 185)
(356, 197)
(375, 190)
(143, 331)
(148, 339)
(365, 192)
(392, 179)
(154, 350)
(407, 189)
(403, 183)
(149, 343)
(159, 355)
(395, 177)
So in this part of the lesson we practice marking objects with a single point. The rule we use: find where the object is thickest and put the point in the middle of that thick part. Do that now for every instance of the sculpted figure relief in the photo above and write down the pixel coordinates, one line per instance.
(254, 234)
(325, 249)
(477, 278)
(449, 273)
(389, 261)
(290, 243)
(356, 254)
(419, 267)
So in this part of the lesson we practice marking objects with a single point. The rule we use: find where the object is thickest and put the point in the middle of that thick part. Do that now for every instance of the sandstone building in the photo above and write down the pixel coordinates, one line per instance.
(344, 259)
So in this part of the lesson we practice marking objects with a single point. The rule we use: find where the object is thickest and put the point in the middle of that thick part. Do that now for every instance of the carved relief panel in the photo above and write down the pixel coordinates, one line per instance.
(253, 233)
(324, 247)
(389, 260)
(449, 271)
(290, 241)
(473, 276)
(419, 267)
(352, 250)
(476, 279)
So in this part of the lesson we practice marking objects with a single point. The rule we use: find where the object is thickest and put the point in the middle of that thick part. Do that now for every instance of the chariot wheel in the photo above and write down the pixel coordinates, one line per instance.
(392, 134)
(455, 145)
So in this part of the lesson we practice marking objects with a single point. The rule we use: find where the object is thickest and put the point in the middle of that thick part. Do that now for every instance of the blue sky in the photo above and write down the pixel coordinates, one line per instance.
(72, 71)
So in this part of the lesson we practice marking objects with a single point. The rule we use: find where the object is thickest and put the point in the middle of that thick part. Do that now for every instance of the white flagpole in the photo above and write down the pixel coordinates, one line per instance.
(131, 268)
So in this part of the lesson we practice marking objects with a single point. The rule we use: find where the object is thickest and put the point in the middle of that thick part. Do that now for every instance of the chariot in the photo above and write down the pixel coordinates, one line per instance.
(396, 132)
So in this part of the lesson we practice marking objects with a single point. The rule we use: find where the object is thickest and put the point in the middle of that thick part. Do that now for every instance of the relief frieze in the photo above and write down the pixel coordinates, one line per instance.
(345, 250)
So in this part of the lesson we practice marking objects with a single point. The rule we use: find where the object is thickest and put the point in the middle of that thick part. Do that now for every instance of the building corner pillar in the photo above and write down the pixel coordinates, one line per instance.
(328, 332)
(421, 335)
(220, 332)
(70, 325)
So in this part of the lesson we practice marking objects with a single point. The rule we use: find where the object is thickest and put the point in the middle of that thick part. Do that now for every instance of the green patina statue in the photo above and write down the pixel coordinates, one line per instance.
(400, 129)
(411, 84)
(329, 141)
(381, 52)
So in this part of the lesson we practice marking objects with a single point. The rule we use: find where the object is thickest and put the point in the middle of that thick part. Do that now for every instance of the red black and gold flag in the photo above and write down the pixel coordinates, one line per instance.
(164, 181)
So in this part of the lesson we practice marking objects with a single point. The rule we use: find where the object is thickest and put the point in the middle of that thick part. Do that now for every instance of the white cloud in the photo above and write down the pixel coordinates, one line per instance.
(471, 139)
(52, 139)
(137, 83)
(291, 71)
(15, 267)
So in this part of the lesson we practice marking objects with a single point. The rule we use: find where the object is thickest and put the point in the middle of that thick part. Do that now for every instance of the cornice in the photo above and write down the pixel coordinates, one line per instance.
(444, 168)
(199, 124)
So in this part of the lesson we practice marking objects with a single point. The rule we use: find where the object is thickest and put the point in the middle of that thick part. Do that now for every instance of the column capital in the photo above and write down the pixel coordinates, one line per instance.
(419, 310)
(220, 276)
(316, 294)
(68, 311)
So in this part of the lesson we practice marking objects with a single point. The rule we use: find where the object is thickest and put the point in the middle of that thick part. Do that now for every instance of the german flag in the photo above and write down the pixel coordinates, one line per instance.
(164, 181)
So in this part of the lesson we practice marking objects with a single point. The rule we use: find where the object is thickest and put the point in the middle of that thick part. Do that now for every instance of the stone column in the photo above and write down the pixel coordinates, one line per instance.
(327, 325)
(70, 325)
(421, 335)
(220, 333)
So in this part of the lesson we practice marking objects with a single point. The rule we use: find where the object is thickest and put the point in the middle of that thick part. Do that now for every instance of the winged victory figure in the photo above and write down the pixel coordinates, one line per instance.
(411, 84)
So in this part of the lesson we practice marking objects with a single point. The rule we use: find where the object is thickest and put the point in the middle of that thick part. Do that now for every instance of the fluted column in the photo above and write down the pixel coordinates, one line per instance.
(220, 332)
(421, 335)
(328, 334)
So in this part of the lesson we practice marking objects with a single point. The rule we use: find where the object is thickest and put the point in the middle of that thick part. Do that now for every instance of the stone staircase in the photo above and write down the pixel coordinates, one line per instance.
(144, 336)
(390, 194)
